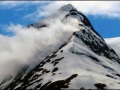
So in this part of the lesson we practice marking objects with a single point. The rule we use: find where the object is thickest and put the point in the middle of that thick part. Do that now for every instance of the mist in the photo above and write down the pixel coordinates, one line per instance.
(29, 46)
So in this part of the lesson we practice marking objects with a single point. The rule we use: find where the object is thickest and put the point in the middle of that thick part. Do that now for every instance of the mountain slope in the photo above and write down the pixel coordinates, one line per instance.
(83, 61)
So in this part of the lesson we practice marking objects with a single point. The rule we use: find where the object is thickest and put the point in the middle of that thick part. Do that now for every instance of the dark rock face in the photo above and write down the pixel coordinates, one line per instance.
(100, 86)
(57, 85)
(31, 25)
(78, 15)
(40, 26)
(55, 62)
(96, 45)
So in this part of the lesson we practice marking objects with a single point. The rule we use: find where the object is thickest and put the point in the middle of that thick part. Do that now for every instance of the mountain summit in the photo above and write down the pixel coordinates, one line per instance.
(68, 8)
(83, 61)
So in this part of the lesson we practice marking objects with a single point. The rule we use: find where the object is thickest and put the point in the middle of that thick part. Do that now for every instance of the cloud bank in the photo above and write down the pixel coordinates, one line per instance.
(30, 45)
(13, 4)
(95, 8)
(102, 8)
(109, 9)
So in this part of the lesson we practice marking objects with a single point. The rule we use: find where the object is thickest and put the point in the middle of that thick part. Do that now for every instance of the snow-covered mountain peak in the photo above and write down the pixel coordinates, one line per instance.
(68, 8)
(82, 61)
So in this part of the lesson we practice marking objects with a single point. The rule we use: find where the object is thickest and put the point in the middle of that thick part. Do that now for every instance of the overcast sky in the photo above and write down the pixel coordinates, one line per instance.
(104, 15)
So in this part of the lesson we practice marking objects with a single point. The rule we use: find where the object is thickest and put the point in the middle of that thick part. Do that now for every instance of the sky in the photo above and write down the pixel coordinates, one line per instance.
(104, 15)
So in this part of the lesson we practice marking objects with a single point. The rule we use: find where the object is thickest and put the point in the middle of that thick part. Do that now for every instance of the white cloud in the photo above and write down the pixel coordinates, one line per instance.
(107, 8)
(13, 4)
(30, 45)
(100, 8)
(114, 43)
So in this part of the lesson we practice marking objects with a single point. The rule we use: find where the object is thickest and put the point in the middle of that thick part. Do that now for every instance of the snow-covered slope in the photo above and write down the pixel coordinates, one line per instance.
(83, 61)
(114, 43)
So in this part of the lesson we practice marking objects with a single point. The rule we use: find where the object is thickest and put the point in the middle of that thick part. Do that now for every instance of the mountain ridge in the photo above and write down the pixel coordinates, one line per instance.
(67, 67)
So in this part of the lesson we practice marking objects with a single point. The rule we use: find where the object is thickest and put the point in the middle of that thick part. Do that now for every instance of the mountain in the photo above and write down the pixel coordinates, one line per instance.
(83, 61)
